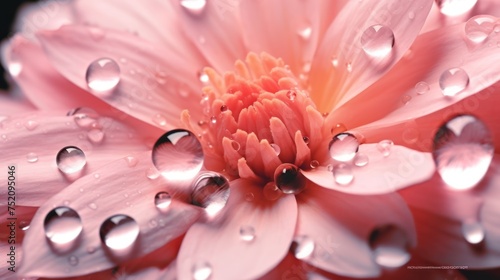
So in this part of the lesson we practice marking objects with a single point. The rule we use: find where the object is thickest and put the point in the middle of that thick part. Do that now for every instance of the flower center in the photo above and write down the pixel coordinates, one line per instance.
(260, 119)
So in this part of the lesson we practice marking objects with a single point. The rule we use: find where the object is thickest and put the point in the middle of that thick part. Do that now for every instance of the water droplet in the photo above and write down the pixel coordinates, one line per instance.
(305, 33)
(32, 157)
(162, 201)
(236, 146)
(70, 160)
(97, 175)
(103, 75)
(160, 120)
(303, 247)
(194, 7)
(201, 270)
(119, 232)
(210, 191)
(30, 124)
(478, 28)
(348, 67)
(473, 232)
(152, 173)
(455, 7)
(385, 147)
(213, 119)
(343, 147)
(276, 149)
(249, 197)
(422, 88)
(24, 225)
(377, 40)
(271, 191)
(92, 206)
(223, 108)
(62, 225)
(291, 95)
(453, 81)
(405, 99)
(361, 160)
(247, 233)
(306, 140)
(463, 149)
(288, 179)
(314, 164)
(178, 155)
(343, 174)
(95, 135)
(96, 33)
(390, 246)
(411, 15)
(335, 62)
(131, 161)
(84, 117)
(91, 249)
(338, 128)
(203, 77)
(73, 260)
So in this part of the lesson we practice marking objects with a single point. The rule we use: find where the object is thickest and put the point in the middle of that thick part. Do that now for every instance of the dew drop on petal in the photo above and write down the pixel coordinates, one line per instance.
(15, 66)
(119, 232)
(343, 147)
(236, 146)
(32, 157)
(131, 161)
(271, 191)
(305, 33)
(92, 205)
(160, 120)
(455, 7)
(162, 201)
(289, 179)
(478, 28)
(70, 160)
(30, 124)
(276, 149)
(178, 155)
(95, 135)
(84, 117)
(201, 270)
(62, 225)
(463, 149)
(291, 95)
(473, 232)
(422, 88)
(73, 260)
(411, 15)
(390, 246)
(96, 33)
(24, 225)
(247, 233)
(453, 81)
(314, 164)
(210, 191)
(152, 173)
(377, 40)
(343, 174)
(338, 128)
(348, 67)
(385, 147)
(303, 247)
(194, 7)
(103, 75)
(361, 160)
(249, 197)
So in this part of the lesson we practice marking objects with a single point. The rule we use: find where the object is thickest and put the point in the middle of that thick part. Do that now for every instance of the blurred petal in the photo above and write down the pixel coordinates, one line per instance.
(10, 106)
(356, 70)
(220, 243)
(120, 189)
(402, 168)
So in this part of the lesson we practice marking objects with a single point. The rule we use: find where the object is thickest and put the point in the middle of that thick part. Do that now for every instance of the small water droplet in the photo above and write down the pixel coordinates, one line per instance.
(178, 155)
(30, 124)
(249, 197)
(288, 179)
(335, 62)
(236, 146)
(62, 225)
(73, 260)
(84, 117)
(96, 33)
(453, 81)
(162, 201)
(201, 270)
(103, 75)
(210, 191)
(338, 128)
(203, 77)
(361, 160)
(343, 147)
(97, 175)
(405, 99)
(95, 135)
(463, 149)
(348, 67)
(411, 15)
(478, 28)
(291, 95)
(390, 246)
(15, 65)
(276, 149)
(32, 157)
(70, 160)
(377, 40)
(247, 233)
(385, 147)
(455, 7)
(92, 206)
(213, 119)
(131, 161)
(119, 232)
(314, 164)
(152, 173)
(24, 225)
(194, 7)
(271, 191)
(422, 88)
(91, 249)
(153, 223)
(343, 174)
(306, 140)
(303, 247)
(160, 120)
(305, 33)
(473, 232)
(223, 108)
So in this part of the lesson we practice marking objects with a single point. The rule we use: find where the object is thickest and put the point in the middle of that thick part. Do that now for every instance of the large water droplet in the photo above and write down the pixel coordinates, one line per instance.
(194, 7)
(62, 225)
(247, 233)
(288, 179)
(303, 247)
(455, 7)
(390, 246)
(210, 191)
(343, 147)
(201, 270)
(473, 232)
(343, 174)
(103, 75)
(178, 155)
(377, 40)
(70, 160)
(453, 81)
(478, 28)
(119, 232)
(162, 201)
(463, 150)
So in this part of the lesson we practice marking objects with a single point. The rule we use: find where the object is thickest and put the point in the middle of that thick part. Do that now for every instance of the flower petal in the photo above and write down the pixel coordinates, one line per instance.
(220, 242)
(155, 84)
(356, 70)
(120, 189)
(402, 168)
(32, 141)
(341, 237)
(10, 106)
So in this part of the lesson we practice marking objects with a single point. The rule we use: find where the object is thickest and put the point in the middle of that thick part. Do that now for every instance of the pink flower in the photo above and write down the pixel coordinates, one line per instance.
(289, 134)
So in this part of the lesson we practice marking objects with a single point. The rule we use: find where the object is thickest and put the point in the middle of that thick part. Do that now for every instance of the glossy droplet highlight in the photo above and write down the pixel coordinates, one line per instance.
(390, 246)
(361, 160)
(473, 232)
(62, 225)
(343, 174)
(455, 7)
(343, 147)
(478, 28)
(178, 155)
(303, 247)
(32, 157)
(247, 233)
(162, 201)
(194, 7)
(385, 147)
(210, 191)
(70, 160)
(377, 40)
(453, 81)
(422, 88)
(201, 270)
(288, 179)
(119, 232)
(103, 75)
(463, 149)
(30, 125)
